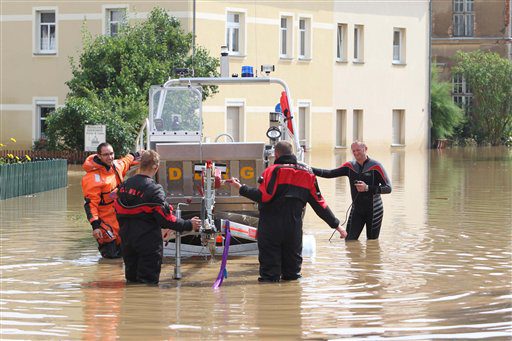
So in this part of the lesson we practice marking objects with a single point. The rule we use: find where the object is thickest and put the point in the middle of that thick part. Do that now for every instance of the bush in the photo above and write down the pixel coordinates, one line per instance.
(489, 77)
(41, 144)
(66, 126)
(446, 116)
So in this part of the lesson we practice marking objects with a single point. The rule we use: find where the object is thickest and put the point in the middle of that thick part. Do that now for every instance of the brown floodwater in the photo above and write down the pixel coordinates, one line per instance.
(442, 268)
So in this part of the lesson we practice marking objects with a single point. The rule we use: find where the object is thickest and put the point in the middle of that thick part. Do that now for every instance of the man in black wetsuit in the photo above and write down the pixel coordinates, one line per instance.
(144, 217)
(368, 180)
(284, 190)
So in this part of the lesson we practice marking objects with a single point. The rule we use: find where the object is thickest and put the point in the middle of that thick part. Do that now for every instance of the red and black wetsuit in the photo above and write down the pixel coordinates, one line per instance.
(285, 189)
(367, 208)
(142, 212)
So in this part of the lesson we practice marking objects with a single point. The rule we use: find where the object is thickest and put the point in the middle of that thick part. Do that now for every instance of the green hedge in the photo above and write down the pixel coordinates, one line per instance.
(32, 177)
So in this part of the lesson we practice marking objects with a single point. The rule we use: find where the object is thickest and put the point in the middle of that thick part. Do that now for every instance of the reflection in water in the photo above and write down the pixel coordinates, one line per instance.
(397, 168)
(103, 297)
(441, 268)
(278, 310)
(365, 265)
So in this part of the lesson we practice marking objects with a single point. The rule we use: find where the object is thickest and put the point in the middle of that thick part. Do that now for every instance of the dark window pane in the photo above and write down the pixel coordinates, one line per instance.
(47, 17)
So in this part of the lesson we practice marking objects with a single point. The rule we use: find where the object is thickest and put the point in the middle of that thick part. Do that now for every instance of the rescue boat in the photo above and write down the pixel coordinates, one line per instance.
(193, 167)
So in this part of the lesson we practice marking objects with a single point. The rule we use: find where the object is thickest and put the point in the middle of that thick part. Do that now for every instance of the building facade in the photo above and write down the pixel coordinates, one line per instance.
(468, 25)
(355, 70)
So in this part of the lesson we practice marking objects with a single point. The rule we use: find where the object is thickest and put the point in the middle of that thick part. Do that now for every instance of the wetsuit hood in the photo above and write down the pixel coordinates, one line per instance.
(93, 163)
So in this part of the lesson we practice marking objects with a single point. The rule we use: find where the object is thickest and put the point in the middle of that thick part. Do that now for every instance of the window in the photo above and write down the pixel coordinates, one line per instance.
(235, 33)
(358, 43)
(115, 19)
(341, 42)
(398, 137)
(285, 50)
(304, 38)
(304, 117)
(43, 110)
(357, 125)
(46, 32)
(341, 128)
(398, 46)
(234, 121)
(461, 93)
(463, 18)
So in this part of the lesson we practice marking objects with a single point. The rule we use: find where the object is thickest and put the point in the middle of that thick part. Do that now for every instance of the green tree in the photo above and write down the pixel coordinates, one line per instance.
(489, 77)
(66, 125)
(112, 76)
(445, 114)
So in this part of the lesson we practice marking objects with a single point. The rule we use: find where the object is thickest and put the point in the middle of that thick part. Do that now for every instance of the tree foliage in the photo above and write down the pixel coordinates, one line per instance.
(112, 76)
(445, 114)
(68, 124)
(489, 77)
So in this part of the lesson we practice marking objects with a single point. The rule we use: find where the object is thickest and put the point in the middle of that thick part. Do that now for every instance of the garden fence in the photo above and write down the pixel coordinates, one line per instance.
(32, 177)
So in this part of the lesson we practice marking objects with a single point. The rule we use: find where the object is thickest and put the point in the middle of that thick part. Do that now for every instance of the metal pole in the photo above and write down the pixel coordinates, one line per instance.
(193, 34)
(177, 242)
(177, 267)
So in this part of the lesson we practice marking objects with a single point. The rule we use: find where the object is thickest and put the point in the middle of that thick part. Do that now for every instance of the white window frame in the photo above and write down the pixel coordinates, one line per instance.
(37, 25)
(107, 9)
(241, 26)
(463, 18)
(358, 44)
(399, 45)
(240, 103)
(38, 104)
(357, 125)
(304, 123)
(398, 128)
(341, 42)
(288, 32)
(461, 93)
(341, 128)
(304, 37)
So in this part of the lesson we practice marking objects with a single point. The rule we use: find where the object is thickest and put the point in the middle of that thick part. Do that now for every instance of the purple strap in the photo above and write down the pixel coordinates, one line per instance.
(222, 271)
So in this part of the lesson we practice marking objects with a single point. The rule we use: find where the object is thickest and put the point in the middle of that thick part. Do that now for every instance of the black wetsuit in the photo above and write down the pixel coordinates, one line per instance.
(284, 190)
(142, 212)
(367, 208)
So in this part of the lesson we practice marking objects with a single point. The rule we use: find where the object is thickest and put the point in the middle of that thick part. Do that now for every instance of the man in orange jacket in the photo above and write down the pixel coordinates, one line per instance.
(99, 185)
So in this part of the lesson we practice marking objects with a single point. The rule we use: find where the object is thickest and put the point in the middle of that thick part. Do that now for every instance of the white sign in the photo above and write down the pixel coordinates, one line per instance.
(94, 135)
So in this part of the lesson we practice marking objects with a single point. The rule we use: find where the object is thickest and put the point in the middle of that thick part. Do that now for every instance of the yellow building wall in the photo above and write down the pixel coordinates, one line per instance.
(309, 80)
(376, 87)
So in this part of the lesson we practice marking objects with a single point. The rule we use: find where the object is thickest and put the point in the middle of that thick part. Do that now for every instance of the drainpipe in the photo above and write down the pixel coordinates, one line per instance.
(193, 34)
(430, 71)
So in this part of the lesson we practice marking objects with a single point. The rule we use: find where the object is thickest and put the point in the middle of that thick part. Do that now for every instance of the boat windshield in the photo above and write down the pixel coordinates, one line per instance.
(175, 109)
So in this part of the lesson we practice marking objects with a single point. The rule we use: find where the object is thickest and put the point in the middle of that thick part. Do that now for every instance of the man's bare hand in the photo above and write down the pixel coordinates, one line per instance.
(341, 230)
(234, 182)
(167, 234)
(361, 186)
(196, 223)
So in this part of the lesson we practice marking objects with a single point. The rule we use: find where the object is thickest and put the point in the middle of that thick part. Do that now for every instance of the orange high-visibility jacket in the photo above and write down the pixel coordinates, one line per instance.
(99, 186)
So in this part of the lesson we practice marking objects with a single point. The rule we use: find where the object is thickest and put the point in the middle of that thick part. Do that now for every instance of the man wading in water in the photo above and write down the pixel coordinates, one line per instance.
(284, 190)
(368, 180)
(99, 185)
